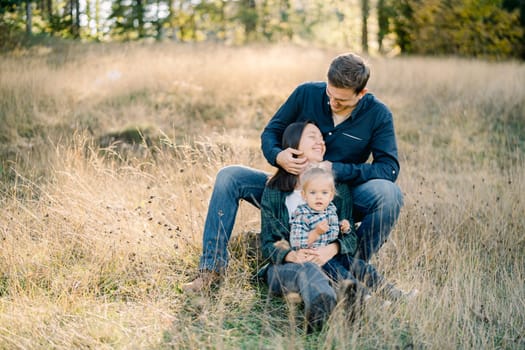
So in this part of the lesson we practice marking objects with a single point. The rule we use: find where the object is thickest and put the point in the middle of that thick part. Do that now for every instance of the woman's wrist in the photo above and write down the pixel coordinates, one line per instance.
(291, 256)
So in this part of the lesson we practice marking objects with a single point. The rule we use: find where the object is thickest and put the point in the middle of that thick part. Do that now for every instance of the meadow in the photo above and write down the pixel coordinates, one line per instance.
(108, 157)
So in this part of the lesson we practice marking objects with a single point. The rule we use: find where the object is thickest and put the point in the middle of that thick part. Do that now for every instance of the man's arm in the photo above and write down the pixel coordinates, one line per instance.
(385, 164)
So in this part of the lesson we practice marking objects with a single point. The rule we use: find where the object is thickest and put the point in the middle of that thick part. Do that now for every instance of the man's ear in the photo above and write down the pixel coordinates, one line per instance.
(363, 92)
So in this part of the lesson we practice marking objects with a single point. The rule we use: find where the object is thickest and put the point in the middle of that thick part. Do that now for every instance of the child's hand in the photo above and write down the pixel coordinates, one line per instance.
(322, 227)
(319, 229)
(344, 225)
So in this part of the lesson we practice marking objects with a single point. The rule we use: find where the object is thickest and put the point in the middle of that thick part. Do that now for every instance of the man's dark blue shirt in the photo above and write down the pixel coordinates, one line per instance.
(368, 131)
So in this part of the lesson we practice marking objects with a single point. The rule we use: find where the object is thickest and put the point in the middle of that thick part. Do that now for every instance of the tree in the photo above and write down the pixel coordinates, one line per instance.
(248, 16)
(465, 28)
(365, 11)
(384, 15)
(517, 5)
(29, 18)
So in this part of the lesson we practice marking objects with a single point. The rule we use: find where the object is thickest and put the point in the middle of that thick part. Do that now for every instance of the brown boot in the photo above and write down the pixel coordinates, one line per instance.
(204, 281)
(391, 293)
(293, 298)
(353, 296)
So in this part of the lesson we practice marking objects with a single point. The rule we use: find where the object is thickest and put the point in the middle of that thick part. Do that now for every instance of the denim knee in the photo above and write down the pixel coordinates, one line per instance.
(226, 176)
(392, 195)
(386, 194)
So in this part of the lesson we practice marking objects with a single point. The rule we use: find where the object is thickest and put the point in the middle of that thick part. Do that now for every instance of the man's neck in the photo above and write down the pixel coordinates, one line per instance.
(341, 117)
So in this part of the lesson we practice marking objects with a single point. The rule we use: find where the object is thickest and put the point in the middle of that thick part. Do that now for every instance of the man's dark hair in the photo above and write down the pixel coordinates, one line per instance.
(349, 71)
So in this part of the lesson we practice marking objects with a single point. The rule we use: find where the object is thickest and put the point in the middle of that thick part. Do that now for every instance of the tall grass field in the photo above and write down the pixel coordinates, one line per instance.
(109, 154)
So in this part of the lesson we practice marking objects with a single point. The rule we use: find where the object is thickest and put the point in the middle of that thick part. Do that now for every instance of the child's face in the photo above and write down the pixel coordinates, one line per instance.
(318, 193)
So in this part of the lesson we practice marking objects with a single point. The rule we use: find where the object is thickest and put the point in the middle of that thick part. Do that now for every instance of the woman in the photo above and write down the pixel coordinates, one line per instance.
(309, 272)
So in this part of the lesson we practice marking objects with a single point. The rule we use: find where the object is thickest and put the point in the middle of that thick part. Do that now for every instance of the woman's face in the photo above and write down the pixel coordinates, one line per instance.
(312, 143)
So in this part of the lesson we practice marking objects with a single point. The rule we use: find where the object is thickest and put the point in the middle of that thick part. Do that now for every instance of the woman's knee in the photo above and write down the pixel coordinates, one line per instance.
(313, 278)
(311, 269)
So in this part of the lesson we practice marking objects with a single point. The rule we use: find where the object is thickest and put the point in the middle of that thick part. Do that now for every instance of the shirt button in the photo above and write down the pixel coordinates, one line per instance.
(330, 133)
(393, 171)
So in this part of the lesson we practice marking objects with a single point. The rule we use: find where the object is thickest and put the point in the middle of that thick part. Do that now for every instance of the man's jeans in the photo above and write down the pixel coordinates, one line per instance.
(377, 204)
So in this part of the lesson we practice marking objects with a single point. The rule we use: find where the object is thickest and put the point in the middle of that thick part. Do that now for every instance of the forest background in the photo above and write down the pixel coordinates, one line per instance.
(472, 28)
(114, 122)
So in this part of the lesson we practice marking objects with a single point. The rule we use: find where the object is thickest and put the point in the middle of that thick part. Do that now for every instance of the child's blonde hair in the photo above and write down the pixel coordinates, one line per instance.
(315, 173)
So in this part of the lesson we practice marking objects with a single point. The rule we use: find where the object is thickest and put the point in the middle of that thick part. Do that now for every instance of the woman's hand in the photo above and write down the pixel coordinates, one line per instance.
(322, 255)
(300, 256)
(292, 161)
(319, 256)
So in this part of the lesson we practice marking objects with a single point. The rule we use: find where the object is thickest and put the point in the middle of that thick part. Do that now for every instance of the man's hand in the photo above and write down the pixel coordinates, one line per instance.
(292, 161)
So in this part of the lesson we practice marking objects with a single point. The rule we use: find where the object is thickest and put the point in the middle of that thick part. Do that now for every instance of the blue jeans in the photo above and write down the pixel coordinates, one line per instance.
(310, 282)
(344, 266)
(377, 204)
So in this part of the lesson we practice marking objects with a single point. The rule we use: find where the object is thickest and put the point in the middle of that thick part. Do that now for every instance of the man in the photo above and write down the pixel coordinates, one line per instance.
(355, 125)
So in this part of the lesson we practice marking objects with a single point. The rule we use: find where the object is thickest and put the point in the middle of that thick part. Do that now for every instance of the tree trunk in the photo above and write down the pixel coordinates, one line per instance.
(365, 9)
(140, 17)
(159, 24)
(97, 19)
(29, 18)
(77, 18)
(72, 16)
(382, 21)
(49, 8)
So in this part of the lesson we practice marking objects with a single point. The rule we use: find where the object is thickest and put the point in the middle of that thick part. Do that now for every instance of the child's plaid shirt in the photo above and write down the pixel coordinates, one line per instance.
(304, 220)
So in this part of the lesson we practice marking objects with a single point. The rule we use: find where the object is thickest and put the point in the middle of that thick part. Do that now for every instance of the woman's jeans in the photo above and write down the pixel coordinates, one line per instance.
(344, 266)
(310, 282)
(377, 204)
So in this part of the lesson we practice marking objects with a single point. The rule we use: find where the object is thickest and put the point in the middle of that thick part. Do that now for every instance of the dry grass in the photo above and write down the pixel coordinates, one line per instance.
(95, 245)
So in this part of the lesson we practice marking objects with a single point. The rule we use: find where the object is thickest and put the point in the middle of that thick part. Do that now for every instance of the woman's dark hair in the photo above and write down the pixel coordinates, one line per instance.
(283, 180)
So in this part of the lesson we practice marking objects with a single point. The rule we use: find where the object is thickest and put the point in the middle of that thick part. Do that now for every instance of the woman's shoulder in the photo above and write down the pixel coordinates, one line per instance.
(343, 195)
(342, 187)
(271, 193)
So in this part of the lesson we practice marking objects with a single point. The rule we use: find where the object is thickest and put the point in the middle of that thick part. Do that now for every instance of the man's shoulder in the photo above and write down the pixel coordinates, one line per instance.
(312, 86)
(379, 107)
